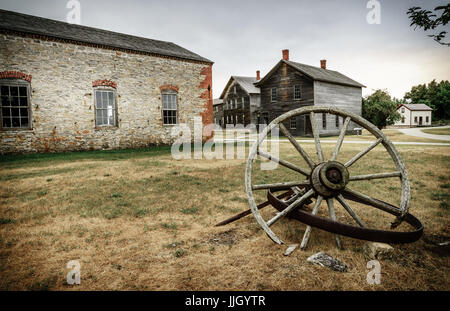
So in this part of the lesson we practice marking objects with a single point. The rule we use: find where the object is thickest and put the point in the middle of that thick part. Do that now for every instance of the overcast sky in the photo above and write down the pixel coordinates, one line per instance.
(244, 36)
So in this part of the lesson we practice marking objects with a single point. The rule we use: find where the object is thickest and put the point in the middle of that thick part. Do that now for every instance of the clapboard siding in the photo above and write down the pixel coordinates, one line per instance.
(284, 79)
(343, 97)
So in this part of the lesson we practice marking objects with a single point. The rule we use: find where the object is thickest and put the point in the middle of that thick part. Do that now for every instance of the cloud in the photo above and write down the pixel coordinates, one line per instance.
(244, 36)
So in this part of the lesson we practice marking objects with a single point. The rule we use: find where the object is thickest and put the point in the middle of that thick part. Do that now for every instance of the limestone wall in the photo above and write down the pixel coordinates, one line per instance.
(62, 95)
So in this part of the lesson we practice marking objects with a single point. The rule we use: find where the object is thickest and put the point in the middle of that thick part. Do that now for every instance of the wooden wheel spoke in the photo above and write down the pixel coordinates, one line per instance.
(284, 212)
(365, 199)
(340, 139)
(362, 153)
(284, 163)
(315, 130)
(302, 152)
(349, 210)
(282, 185)
(307, 233)
(333, 217)
(375, 176)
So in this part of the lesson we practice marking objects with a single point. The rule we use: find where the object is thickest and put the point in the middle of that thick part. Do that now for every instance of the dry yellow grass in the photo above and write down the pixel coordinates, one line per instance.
(146, 222)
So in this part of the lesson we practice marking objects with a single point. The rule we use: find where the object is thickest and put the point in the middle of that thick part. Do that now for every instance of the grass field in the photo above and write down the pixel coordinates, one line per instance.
(139, 220)
(444, 131)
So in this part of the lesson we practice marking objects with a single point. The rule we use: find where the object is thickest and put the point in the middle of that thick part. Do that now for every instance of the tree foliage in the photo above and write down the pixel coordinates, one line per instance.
(435, 95)
(429, 20)
(380, 109)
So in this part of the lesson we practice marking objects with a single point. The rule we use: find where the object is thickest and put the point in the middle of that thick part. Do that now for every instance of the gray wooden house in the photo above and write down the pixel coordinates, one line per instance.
(290, 85)
(241, 100)
(218, 111)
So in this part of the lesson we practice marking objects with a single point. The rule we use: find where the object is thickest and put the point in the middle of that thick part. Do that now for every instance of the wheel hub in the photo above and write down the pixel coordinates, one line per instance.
(329, 178)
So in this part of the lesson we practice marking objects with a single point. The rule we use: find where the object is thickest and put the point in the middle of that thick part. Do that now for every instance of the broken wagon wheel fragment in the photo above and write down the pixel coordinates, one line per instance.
(328, 180)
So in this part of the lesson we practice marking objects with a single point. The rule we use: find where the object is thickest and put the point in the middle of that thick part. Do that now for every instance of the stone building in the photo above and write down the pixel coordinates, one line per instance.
(290, 85)
(67, 87)
(413, 115)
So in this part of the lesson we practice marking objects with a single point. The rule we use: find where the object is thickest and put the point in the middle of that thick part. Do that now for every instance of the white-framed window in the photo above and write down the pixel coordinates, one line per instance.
(105, 107)
(293, 123)
(170, 109)
(324, 120)
(403, 110)
(15, 104)
(337, 121)
(403, 119)
(297, 92)
(273, 94)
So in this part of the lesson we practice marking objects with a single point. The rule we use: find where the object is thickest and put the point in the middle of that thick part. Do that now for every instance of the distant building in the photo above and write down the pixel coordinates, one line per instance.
(290, 85)
(218, 112)
(414, 115)
(241, 100)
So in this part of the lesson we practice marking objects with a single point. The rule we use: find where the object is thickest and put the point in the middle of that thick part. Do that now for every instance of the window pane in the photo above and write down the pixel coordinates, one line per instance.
(111, 99)
(98, 117)
(6, 122)
(5, 101)
(4, 90)
(164, 98)
(24, 112)
(15, 101)
(15, 112)
(23, 101)
(6, 112)
(24, 122)
(15, 122)
(14, 90)
(23, 91)
(98, 96)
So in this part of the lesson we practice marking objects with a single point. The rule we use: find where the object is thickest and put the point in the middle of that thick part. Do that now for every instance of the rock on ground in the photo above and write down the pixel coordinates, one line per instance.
(375, 250)
(326, 260)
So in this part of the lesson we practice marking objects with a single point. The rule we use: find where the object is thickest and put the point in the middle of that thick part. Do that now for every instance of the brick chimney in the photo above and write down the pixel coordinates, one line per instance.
(258, 75)
(323, 64)
(286, 54)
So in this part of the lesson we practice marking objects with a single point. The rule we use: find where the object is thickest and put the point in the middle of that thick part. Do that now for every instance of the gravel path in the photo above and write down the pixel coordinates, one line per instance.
(417, 131)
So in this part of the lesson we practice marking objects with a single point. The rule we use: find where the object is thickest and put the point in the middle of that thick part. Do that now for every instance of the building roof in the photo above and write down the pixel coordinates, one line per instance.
(33, 25)
(417, 107)
(217, 101)
(247, 84)
(316, 73)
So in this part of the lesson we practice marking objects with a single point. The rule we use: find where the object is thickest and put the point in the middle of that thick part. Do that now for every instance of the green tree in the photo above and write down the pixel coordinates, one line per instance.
(428, 20)
(380, 109)
(435, 95)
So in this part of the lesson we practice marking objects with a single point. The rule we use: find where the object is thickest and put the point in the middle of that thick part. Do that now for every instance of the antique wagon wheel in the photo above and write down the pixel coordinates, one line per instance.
(327, 180)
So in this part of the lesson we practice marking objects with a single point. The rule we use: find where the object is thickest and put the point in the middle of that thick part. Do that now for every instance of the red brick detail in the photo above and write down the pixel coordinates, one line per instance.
(258, 75)
(104, 83)
(323, 64)
(285, 54)
(166, 87)
(207, 114)
(15, 75)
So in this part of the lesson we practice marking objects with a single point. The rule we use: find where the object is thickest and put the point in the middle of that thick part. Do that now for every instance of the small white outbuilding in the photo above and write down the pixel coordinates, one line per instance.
(414, 115)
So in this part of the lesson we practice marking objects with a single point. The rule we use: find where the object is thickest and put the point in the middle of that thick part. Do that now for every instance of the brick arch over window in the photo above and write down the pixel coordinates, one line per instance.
(166, 87)
(15, 75)
(108, 83)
